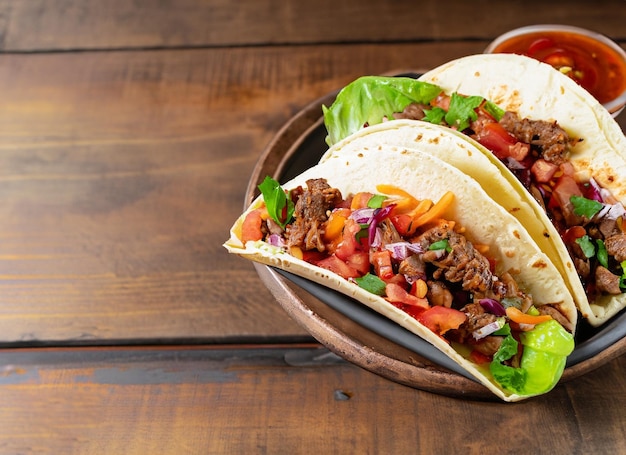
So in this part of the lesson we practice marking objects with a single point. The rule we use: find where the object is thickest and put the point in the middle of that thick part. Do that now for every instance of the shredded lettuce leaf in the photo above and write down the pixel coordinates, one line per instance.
(370, 100)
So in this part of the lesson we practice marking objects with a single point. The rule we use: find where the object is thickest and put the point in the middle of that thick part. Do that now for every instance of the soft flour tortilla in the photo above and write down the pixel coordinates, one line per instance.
(424, 176)
(537, 91)
(472, 159)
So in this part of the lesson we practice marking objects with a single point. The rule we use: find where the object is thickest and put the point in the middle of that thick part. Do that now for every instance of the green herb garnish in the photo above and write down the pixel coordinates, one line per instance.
(585, 207)
(602, 255)
(371, 283)
(461, 110)
(440, 245)
(492, 108)
(622, 280)
(376, 201)
(279, 206)
(586, 245)
(435, 115)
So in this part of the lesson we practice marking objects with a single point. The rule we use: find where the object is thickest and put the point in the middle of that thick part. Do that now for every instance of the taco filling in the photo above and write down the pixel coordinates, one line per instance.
(588, 218)
(404, 250)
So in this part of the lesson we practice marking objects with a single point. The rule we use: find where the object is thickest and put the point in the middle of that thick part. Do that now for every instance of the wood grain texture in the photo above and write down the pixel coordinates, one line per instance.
(36, 25)
(272, 401)
(121, 174)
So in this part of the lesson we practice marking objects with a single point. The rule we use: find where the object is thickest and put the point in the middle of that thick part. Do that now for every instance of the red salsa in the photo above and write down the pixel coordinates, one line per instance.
(597, 67)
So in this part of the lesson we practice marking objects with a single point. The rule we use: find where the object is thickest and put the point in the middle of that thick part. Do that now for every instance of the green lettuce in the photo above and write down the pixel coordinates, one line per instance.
(369, 100)
(546, 348)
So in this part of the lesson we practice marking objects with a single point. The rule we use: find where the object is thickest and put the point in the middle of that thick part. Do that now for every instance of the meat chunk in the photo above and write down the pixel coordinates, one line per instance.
(616, 247)
(310, 213)
(413, 267)
(462, 264)
(556, 315)
(413, 111)
(607, 281)
(551, 139)
(439, 294)
(477, 318)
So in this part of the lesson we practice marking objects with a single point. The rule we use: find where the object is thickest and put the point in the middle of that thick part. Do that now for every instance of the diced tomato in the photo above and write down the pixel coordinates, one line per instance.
(251, 227)
(381, 260)
(313, 256)
(398, 279)
(396, 293)
(573, 233)
(336, 265)
(440, 319)
(479, 358)
(565, 188)
(411, 310)
(402, 223)
(442, 101)
(568, 168)
(498, 140)
(349, 244)
(543, 170)
(360, 261)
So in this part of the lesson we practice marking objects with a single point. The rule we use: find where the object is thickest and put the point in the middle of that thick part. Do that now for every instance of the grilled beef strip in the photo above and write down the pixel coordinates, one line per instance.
(310, 212)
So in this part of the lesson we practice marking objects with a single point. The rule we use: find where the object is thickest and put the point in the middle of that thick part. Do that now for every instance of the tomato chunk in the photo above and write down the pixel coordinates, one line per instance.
(396, 293)
(440, 319)
(336, 265)
(251, 228)
(501, 142)
(381, 260)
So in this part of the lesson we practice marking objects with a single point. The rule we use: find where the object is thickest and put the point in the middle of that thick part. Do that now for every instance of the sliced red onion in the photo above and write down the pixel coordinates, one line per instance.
(512, 163)
(400, 250)
(488, 329)
(378, 239)
(612, 211)
(596, 192)
(363, 216)
(377, 217)
(492, 306)
(276, 240)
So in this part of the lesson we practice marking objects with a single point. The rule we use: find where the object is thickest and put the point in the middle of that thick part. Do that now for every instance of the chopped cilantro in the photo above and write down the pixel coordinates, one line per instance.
(496, 111)
(586, 245)
(371, 283)
(585, 207)
(508, 377)
(279, 206)
(602, 255)
(376, 201)
(461, 110)
(434, 115)
(363, 233)
(441, 245)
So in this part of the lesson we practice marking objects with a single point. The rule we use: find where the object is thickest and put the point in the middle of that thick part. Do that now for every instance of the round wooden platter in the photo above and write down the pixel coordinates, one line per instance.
(289, 153)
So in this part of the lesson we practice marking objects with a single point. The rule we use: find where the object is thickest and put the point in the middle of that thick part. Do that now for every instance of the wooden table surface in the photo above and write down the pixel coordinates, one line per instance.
(128, 132)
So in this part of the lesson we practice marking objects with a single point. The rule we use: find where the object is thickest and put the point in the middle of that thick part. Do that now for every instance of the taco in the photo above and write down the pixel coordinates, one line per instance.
(546, 132)
(421, 243)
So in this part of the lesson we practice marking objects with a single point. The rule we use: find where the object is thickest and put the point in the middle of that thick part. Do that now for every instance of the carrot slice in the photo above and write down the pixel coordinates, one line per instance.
(516, 315)
(393, 190)
(435, 212)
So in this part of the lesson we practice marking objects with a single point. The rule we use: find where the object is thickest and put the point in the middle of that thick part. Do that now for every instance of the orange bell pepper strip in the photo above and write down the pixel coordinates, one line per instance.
(516, 315)
(435, 212)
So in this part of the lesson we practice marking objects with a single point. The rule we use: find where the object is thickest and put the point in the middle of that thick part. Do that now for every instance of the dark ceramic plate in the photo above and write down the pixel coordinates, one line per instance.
(361, 335)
